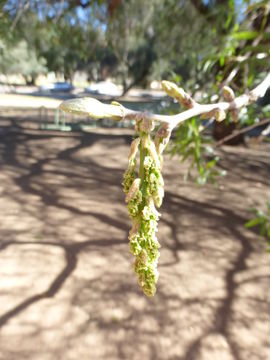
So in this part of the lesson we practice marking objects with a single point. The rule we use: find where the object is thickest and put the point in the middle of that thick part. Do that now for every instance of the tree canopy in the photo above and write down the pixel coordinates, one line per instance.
(136, 41)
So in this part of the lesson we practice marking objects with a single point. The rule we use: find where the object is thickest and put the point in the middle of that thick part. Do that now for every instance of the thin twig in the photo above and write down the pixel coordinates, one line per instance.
(242, 131)
(235, 71)
(198, 109)
(97, 110)
(19, 14)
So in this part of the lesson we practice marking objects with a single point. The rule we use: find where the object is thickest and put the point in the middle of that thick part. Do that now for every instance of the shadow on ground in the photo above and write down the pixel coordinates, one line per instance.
(67, 286)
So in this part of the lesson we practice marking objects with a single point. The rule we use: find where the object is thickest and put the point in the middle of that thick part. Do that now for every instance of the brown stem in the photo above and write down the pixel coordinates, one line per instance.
(242, 131)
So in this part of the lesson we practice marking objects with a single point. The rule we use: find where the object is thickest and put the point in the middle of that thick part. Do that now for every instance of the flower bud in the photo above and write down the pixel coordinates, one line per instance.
(160, 147)
(173, 90)
(220, 115)
(147, 125)
(148, 162)
(133, 149)
(142, 258)
(149, 145)
(207, 115)
(146, 141)
(135, 187)
(158, 196)
(235, 115)
(129, 177)
(177, 93)
(135, 228)
(217, 113)
(154, 213)
(93, 108)
(228, 93)
(116, 103)
(134, 246)
(153, 152)
(144, 123)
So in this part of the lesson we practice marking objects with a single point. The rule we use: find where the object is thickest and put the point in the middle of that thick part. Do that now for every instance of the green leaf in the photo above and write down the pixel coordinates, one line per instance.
(263, 229)
(254, 222)
(245, 35)
(211, 164)
(222, 61)
(187, 154)
(255, 49)
(266, 35)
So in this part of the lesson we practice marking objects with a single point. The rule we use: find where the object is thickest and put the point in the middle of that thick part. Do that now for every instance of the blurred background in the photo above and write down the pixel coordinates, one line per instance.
(123, 49)
(67, 286)
(132, 43)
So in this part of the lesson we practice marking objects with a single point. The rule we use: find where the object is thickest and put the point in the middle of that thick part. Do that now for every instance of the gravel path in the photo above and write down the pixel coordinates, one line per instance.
(27, 101)
(68, 291)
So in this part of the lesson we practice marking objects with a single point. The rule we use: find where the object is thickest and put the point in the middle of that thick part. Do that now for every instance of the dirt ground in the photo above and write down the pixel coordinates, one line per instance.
(67, 288)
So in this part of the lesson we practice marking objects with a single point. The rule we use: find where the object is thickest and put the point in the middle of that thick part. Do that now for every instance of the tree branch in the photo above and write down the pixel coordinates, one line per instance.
(198, 109)
(242, 131)
(19, 14)
(97, 110)
(217, 110)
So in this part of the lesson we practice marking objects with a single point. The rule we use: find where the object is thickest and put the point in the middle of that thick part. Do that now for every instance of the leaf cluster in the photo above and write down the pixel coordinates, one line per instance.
(261, 220)
(192, 146)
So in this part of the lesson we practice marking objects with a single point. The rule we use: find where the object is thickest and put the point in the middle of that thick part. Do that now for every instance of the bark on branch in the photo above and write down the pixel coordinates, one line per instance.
(97, 110)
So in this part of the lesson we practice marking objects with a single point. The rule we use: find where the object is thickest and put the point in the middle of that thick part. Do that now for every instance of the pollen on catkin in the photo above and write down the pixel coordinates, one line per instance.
(144, 192)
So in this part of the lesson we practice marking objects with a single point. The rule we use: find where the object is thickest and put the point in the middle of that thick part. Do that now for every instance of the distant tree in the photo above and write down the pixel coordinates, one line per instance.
(155, 38)
(20, 59)
(138, 41)
(67, 40)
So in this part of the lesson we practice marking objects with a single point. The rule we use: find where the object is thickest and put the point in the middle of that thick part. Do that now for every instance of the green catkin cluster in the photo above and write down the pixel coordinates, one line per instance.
(143, 194)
